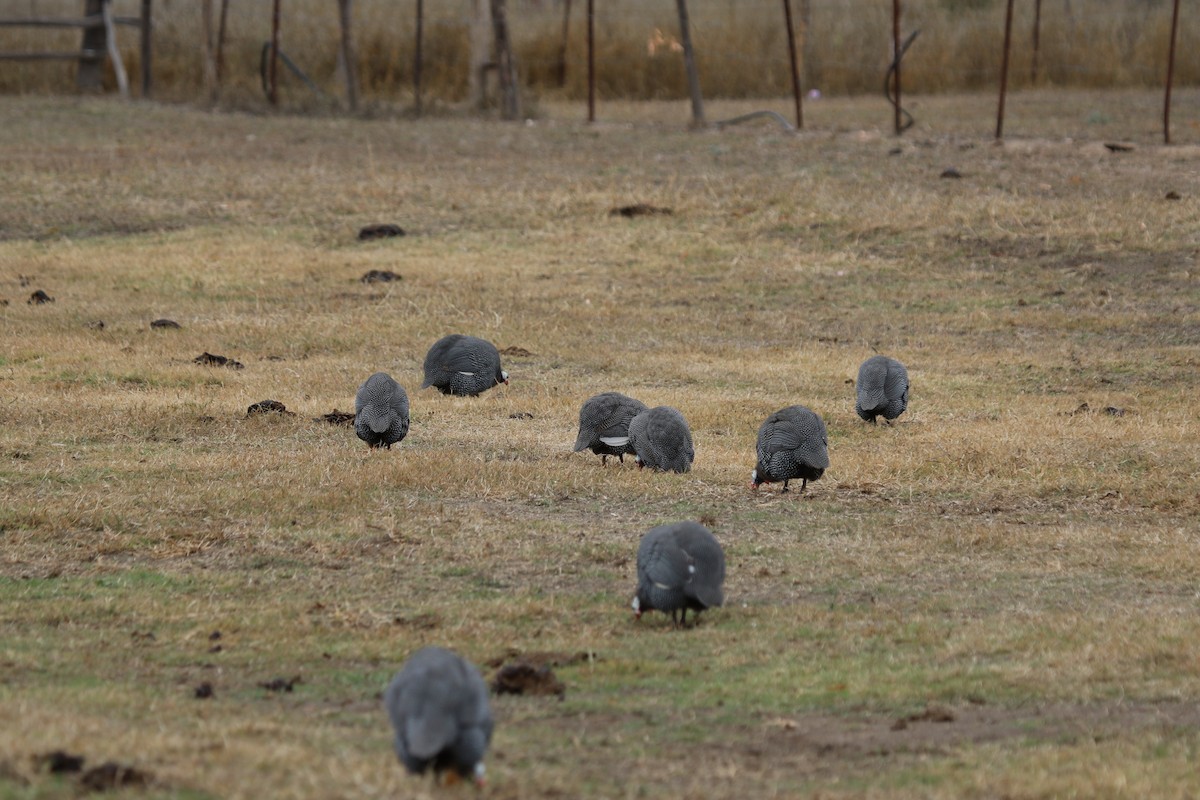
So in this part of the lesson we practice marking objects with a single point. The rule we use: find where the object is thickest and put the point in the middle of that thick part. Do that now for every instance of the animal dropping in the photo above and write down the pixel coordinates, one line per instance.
(792, 443)
(438, 706)
(381, 411)
(604, 425)
(463, 365)
(680, 567)
(881, 389)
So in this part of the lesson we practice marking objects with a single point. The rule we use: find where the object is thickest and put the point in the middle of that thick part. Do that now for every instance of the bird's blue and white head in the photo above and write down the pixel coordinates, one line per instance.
(636, 605)
(479, 774)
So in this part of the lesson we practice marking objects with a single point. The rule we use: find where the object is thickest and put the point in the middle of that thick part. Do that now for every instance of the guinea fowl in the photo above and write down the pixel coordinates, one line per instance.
(463, 365)
(792, 443)
(680, 567)
(438, 705)
(381, 411)
(661, 439)
(604, 425)
(881, 389)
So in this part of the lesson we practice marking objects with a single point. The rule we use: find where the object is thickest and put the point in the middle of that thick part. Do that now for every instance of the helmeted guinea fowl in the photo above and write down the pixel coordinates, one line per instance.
(604, 425)
(661, 439)
(463, 365)
(679, 567)
(381, 411)
(881, 389)
(792, 443)
(438, 705)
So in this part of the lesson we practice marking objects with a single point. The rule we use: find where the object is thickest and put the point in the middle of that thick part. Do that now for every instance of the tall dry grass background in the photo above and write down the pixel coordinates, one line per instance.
(995, 597)
(742, 49)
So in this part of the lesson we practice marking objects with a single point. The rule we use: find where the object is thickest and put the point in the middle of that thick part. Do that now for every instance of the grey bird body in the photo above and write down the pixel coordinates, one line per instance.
(661, 439)
(680, 567)
(381, 411)
(463, 365)
(881, 389)
(438, 705)
(792, 443)
(604, 425)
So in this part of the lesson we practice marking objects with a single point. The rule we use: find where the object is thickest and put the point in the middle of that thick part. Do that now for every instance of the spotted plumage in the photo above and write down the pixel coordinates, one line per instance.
(792, 443)
(463, 365)
(661, 440)
(381, 411)
(881, 389)
(680, 567)
(604, 425)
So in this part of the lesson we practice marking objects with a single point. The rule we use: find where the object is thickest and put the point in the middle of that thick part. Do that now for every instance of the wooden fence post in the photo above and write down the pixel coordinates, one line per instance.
(147, 48)
(114, 55)
(506, 67)
(689, 63)
(591, 59)
(418, 57)
(273, 63)
(90, 77)
(346, 53)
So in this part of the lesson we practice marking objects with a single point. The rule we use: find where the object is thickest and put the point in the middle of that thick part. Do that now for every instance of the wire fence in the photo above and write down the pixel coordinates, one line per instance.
(844, 48)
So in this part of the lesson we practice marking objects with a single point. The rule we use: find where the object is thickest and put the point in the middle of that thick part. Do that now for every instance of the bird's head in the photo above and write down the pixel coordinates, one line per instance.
(478, 774)
(504, 377)
(637, 607)
(756, 481)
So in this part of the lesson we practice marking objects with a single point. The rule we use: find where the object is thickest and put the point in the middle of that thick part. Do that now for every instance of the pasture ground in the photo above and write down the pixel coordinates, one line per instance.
(997, 596)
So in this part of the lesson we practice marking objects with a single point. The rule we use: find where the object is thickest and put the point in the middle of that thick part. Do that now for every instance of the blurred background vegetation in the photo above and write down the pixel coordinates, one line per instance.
(741, 46)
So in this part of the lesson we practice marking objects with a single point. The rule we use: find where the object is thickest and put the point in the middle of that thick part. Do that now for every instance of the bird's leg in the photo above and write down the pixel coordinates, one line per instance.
(683, 618)
(674, 618)
(604, 459)
(621, 457)
(785, 483)
(803, 485)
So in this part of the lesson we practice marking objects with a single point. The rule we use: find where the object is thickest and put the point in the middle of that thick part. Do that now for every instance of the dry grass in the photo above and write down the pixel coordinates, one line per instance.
(741, 48)
(998, 557)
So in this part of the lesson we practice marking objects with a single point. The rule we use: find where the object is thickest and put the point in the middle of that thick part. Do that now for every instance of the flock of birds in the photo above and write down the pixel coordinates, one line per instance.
(438, 703)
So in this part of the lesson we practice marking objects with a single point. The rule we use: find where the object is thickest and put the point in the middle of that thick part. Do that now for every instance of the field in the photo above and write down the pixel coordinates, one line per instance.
(997, 596)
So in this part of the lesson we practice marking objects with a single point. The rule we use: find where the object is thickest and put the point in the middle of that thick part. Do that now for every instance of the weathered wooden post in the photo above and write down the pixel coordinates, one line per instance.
(90, 76)
(114, 55)
(1037, 40)
(273, 62)
(689, 62)
(897, 55)
(418, 57)
(221, 27)
(346, 57)
(791, 37)
(591, 59)
(1008, 16)
(147, 48)
(1170, 74)
(506, 67)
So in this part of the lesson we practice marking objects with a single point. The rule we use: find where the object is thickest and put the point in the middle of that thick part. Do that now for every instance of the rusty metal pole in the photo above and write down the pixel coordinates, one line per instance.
(417, 57)
(1170, 75)
(1037, 40)
(591, 58)
(896, 55)
(791, 37)
(273, 63)
(1008, 16)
